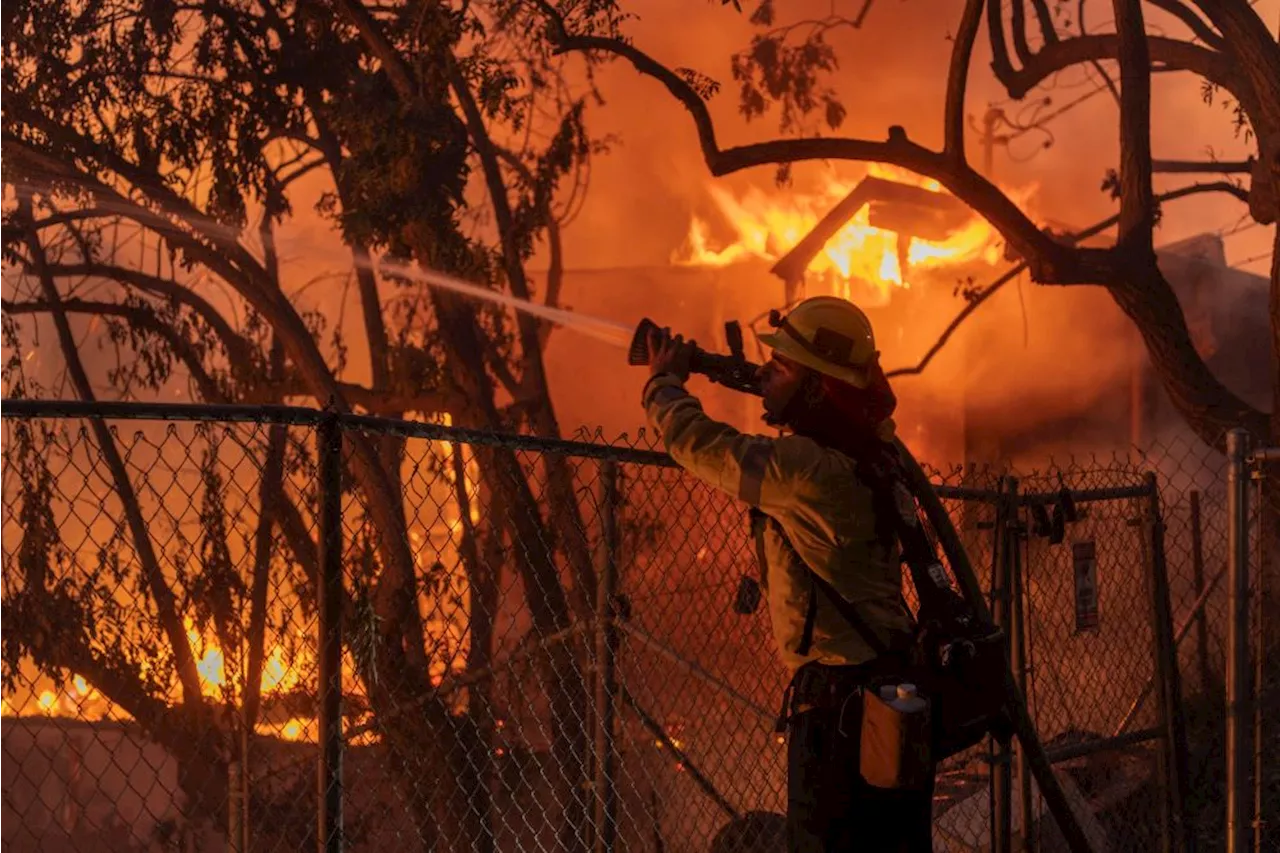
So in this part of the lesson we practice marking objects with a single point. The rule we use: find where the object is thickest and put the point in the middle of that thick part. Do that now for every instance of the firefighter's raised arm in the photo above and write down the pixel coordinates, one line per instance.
(764, 472)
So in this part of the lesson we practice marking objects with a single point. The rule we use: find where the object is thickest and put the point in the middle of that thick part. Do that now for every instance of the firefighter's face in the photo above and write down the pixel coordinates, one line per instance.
(780, 380)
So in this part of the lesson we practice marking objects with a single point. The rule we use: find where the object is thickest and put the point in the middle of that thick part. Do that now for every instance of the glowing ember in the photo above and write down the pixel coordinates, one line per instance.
(768, 226)
(47, 701)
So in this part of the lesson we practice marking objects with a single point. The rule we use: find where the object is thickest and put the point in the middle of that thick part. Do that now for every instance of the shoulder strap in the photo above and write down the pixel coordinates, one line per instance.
(892, 500)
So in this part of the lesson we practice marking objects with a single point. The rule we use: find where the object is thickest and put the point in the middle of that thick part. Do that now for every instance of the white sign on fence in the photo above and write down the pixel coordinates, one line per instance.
(1084, 561)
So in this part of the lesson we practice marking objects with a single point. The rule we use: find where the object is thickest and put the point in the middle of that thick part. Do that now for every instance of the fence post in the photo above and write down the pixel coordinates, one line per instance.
(1020, 664)
(606, 801)
(329, 639)
(1168, 681)
(1237, 638)
(1001, 594)
(1197, 568)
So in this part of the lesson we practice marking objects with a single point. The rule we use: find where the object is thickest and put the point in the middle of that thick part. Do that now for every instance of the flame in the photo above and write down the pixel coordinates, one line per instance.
(296, 729)
(211, 665)
(767, 227)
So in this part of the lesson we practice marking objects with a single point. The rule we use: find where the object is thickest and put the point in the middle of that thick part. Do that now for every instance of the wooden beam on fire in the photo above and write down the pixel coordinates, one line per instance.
(790, 268)
(909, 210)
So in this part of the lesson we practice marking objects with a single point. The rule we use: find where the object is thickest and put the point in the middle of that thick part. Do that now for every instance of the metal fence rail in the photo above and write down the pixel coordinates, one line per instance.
(492, 642)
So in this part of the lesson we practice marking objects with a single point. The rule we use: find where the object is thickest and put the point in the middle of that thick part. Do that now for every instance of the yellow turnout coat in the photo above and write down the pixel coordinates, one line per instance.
(817, 499)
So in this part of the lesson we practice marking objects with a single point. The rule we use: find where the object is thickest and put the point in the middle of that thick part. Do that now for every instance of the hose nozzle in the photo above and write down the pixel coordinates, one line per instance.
(731, 371)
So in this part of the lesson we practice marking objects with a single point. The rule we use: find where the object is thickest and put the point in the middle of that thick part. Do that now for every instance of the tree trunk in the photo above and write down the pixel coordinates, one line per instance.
(1206, 405)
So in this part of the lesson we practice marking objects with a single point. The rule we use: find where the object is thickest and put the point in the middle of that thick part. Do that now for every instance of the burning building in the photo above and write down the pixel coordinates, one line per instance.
(1034, 372)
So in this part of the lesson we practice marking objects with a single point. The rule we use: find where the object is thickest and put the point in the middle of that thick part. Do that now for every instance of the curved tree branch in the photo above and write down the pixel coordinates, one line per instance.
(958, 78)
(1018, 28)
(1194, 22)
(1253, 50)
(238, 348)
(1010, 274)
(1049, 260)
(138, 317)
(1170, 53)
(1000, 63)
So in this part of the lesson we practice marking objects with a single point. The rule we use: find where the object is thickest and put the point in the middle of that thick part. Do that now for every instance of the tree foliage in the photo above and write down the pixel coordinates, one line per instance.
(158, 152)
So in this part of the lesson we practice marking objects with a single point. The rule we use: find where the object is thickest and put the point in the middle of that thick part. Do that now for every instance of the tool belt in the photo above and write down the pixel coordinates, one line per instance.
(894, 749)
(827, 687)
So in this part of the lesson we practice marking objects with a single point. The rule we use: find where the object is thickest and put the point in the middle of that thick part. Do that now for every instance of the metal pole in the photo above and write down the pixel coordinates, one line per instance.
(1260, 684)
(1237, 638)
(1197, 568)
(1001, 589)
(1169, 695)
(606, 800)
(1018, 649)
(329, 771)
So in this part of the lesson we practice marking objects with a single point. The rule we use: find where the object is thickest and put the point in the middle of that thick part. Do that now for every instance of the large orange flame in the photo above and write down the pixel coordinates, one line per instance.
(767, 226)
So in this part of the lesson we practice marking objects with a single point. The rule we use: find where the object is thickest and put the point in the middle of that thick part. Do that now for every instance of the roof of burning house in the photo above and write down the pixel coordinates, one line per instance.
(1227, 313)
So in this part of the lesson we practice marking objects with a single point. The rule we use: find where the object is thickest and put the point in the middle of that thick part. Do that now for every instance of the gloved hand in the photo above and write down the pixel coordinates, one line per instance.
(669, 354)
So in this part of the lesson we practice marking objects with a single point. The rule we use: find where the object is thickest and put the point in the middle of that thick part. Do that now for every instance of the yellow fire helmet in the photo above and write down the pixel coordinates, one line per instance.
(827, 334)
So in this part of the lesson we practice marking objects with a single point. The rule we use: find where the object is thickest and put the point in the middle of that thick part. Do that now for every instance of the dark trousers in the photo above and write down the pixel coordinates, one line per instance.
(829, 806)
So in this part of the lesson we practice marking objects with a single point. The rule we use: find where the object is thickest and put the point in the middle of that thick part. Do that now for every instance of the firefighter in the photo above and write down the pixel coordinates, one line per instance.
(812, 511)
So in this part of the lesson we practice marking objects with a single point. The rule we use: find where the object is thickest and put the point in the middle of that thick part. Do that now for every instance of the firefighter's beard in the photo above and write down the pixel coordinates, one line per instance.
(781, 409)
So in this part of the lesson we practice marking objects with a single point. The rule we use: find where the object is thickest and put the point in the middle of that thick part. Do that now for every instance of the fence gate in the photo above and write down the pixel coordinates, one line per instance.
(1076, 574)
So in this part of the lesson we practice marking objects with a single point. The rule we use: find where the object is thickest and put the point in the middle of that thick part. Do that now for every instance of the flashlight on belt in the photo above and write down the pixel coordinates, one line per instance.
(731, 371)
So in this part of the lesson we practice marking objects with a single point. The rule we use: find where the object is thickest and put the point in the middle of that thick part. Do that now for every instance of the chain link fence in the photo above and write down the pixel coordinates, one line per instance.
(539, 646)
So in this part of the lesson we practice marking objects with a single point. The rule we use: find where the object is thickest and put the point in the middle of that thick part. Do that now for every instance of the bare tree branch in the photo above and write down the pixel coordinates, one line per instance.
(1170, 53)
(958, 78)
(1009, 275)
(238, 348)
(138, 317)
(1253, 50)
(1018, 28)
(1137, 203)
(1097, 66)
(1044, 19)
(1194, 22)
(555, 267)
(1049, 260)
(1000, 63)
(226, 239)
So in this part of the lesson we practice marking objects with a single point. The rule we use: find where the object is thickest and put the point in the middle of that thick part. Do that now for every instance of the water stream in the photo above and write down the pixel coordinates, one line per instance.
(602, 330)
